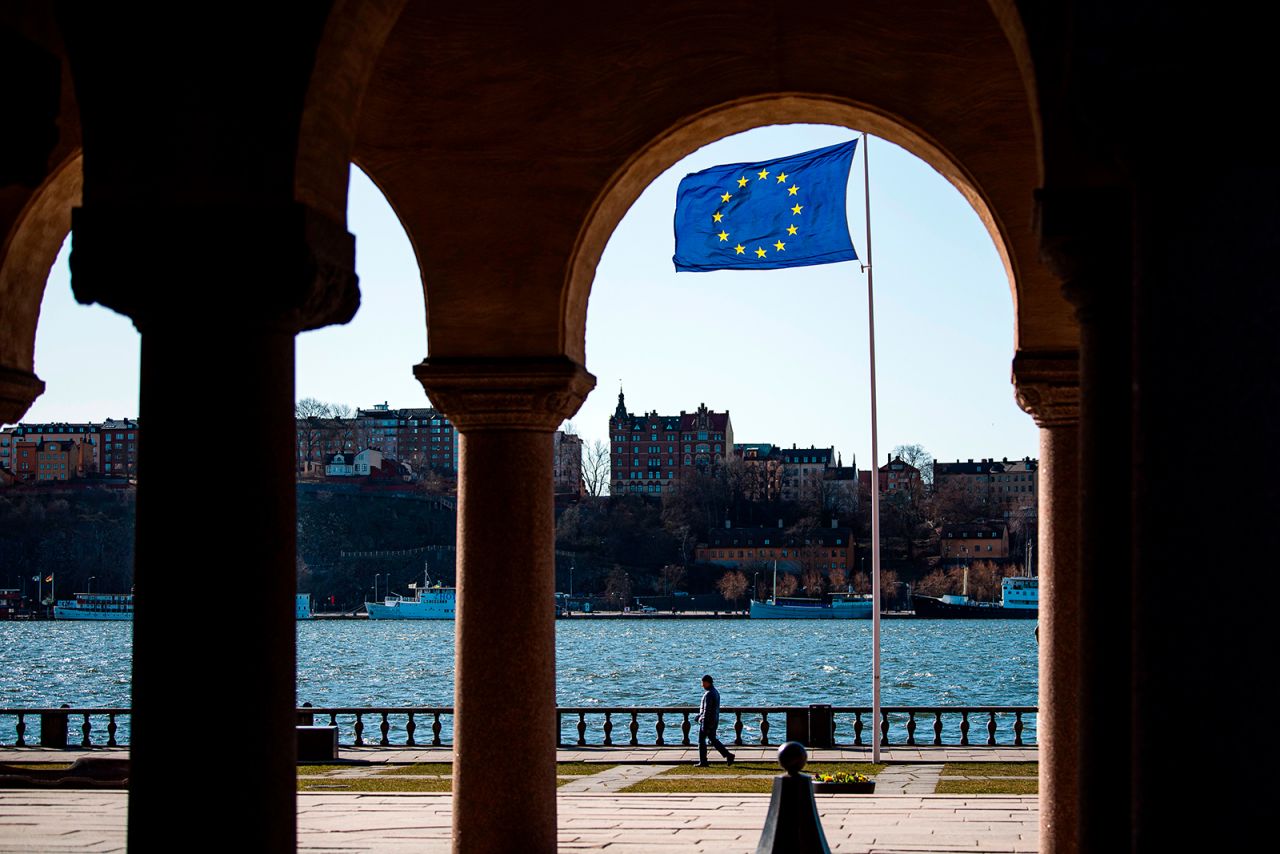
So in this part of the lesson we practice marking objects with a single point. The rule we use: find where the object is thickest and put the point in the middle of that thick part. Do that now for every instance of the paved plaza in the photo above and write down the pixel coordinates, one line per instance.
(903, 816)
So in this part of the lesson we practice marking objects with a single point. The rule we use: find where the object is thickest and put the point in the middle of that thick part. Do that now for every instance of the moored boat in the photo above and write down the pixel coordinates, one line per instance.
(838, 606)
(428, 603)
(1019, 600)
(95, 606)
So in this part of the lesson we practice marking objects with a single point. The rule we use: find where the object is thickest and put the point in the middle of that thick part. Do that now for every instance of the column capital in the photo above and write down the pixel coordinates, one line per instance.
(533, 393)
(1047, 387)
(241, 264)
(18, 390)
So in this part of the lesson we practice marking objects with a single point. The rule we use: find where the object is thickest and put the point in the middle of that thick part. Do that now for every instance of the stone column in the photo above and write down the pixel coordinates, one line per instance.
(504, 784)
(1085, 238)
(214, 664)
(1048, 388)
(18, 390)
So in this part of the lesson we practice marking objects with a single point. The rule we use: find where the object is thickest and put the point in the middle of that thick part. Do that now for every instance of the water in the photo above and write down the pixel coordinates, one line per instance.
(599, 663)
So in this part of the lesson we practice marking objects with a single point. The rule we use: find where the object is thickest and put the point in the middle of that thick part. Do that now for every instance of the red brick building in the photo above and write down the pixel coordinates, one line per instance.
(896, 477)
(650, 452)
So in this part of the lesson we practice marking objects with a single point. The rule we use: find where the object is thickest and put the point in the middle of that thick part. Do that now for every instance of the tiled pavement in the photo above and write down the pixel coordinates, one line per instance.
(82, 821)
(902, 817)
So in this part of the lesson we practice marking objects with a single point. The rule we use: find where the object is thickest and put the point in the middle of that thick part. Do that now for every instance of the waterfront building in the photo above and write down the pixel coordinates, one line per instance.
(651, 452)
(803, 472)
(974, 541)
(85, 434)
(57, 460)
(361, 464)
(428, 439)
(763, 464)
(7, 440)
(566, 456)
(1009, 486)
(118, 441)
(896, 477)
(822, 549)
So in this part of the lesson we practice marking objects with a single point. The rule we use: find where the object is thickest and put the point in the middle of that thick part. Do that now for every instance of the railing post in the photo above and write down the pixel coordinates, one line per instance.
(991, 730)
(635, 729)
(111, 730)
(86, 730)
(359, 727)
(857, 729)
(911, 728)
(560, 728)
(608, 729)
(410, 727)
(764, 728)
(435, 729)
(684, 731)
(737, 728)
(964, 729)
(582, 728)
(660, 728)
(884, 728)
(22, 731)
(1017, 729)
(937, 728)
(385, 728)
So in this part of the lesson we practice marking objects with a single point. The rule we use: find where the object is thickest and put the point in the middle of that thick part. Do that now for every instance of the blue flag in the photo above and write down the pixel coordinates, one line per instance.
(788, 212)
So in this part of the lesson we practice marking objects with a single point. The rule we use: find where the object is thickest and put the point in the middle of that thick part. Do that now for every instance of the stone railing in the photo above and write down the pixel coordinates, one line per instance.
(583, 726)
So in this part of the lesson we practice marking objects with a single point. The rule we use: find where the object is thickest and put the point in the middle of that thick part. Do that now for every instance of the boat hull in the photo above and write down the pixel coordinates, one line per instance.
(77, 614)
(928, 606)
(842, 611)
(410, 610)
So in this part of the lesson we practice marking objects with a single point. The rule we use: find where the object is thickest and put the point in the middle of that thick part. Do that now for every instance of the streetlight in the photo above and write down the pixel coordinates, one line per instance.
(376, 576)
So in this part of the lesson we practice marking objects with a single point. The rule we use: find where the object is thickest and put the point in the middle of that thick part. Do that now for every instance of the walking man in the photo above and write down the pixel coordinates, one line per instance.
(708, 721)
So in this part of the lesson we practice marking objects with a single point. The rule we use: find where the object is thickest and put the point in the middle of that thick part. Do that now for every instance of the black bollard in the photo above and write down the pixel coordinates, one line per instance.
(792, 825)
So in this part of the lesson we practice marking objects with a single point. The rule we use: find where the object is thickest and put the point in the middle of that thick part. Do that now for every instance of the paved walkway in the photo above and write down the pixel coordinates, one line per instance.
(908, 780)
(82, 821)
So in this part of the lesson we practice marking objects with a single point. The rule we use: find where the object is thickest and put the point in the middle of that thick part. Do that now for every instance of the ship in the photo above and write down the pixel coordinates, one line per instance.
(95, 606)
(837, 606)
(429, 602)
(1019, 600)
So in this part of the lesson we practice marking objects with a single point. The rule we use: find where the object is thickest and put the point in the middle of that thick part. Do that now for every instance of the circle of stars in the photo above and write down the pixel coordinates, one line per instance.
(792, 230)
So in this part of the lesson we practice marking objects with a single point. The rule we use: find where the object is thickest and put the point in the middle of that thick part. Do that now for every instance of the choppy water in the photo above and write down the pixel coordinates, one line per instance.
(599, 663)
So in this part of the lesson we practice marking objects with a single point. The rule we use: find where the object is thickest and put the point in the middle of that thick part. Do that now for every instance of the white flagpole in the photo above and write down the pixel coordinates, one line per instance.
(875, 477)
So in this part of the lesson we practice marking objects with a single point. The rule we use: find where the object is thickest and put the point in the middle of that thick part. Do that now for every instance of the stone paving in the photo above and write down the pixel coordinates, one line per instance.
(94, 822)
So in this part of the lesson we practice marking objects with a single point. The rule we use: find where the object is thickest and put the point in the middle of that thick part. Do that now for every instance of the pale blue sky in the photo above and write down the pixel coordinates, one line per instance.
(784, 351)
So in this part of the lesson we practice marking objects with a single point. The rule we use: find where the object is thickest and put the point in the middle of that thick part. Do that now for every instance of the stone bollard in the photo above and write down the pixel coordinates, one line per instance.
(792, 825)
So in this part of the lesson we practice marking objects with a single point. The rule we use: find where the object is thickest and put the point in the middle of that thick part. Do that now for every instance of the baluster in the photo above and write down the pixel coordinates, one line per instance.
(409, 728)
(737, 728)
(582, 728)
(333, 719)
(857, 729)
(111, 730)
(1017, 729)
(385, 727)
(911, 728)
(937, 728)
(86, 730)
(684, 730)
(764, 728)
(884, 728)
(991, 730)
(635, 730)
(964, 729)
(608, 729)
(660, 728)
(359, 729)
(22, 731)
(435, 729)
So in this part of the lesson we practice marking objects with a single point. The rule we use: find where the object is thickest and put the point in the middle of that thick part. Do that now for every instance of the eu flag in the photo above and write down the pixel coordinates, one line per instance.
(788, 212)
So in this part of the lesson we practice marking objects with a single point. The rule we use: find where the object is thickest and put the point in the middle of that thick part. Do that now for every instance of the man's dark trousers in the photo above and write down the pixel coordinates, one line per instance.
(705, 735)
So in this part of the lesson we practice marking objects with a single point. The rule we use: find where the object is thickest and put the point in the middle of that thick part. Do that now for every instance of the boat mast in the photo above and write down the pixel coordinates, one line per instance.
(775, 581)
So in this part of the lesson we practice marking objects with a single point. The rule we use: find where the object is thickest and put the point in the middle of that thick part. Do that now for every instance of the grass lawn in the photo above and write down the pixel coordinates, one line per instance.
(444, 769)
(36, 766)
(385, 784)
(770, 769)
(988, 787)
(757, 783)
(990, 769)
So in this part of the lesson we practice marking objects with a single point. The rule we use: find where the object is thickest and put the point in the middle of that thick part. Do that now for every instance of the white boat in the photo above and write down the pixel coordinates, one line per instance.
(428, 603)
(839, 606)
(95, 606)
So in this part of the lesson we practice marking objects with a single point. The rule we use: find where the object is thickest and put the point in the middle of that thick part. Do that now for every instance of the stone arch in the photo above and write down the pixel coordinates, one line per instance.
(29, 250)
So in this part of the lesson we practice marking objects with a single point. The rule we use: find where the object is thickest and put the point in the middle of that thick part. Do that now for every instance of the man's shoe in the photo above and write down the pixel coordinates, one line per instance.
(729, 760)
(702, 765)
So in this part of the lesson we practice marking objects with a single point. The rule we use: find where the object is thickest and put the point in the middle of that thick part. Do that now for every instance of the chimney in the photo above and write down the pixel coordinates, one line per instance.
(970, 459)
(779, 523)
(835, 522)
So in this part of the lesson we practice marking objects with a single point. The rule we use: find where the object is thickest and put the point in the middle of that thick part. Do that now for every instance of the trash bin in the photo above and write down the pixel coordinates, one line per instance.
(822, 726)
(798, 725)
(53, 729)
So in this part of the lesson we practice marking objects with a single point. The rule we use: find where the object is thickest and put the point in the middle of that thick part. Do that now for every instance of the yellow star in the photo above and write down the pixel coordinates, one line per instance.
(717, 216)
(782, 177)
(740, 249)
(791, 229)
(796, 210)
(723, 235)
(742, 182)
(779, 246)
(791, 191)
(760, 253)
(726, 197)
(764, 173)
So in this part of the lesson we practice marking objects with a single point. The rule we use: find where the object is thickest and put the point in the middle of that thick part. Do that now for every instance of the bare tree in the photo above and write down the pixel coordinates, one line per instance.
(595, 467)
(617, 587)
(787, 584)
(813, 582)
(917, 456)
(672, 577)
(732, 586)
(838, 578)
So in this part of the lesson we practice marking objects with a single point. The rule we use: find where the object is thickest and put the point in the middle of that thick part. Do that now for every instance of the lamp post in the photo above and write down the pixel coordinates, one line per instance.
(91, 578)
(376, 576)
